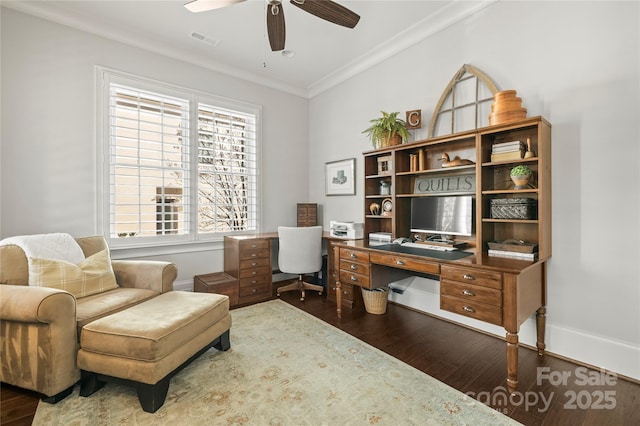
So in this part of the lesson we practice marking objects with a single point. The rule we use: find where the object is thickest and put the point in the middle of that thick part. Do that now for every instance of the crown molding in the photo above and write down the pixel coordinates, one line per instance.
(432, 24)
(443, 18)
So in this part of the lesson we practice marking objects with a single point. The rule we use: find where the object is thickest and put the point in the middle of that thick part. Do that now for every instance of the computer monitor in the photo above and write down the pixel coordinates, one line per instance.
(450, 215)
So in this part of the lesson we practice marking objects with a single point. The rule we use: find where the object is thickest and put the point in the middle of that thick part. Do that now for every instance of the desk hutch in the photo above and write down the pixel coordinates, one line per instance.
(500, 291)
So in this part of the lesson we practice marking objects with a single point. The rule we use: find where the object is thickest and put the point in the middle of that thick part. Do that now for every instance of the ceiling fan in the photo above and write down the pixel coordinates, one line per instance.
(324, 9)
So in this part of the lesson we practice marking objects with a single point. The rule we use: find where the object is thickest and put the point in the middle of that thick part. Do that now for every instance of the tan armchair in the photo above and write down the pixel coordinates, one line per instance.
(40, 327)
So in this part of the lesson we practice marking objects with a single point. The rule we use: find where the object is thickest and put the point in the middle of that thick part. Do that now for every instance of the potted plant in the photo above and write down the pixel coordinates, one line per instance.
(520, 175)
(387, 130)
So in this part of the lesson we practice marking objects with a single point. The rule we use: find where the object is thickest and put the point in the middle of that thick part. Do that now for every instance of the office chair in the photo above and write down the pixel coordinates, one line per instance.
(300, 253)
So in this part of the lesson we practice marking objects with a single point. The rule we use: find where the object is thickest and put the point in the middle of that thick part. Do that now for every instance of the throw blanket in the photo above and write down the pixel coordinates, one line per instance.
(56, 246)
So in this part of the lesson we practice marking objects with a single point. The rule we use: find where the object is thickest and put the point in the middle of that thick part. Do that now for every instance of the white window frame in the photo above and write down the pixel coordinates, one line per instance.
(104, 77)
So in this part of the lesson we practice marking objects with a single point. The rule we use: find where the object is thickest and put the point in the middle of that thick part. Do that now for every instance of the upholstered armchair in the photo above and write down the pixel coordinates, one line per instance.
(40, 326)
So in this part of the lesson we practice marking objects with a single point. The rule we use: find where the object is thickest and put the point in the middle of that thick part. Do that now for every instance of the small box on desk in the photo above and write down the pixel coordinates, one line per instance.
(219, 283)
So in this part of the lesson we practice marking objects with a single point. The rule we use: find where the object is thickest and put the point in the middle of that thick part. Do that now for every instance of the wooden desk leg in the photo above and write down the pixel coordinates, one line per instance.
(339, 299)
(541, 321)
(512, 361)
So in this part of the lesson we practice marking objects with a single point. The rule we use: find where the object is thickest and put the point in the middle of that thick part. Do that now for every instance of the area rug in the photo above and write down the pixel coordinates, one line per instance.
(285, 367)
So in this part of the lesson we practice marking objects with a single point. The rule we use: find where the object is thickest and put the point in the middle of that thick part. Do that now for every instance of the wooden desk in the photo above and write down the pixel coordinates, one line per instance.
(248, 260)
(499, 291)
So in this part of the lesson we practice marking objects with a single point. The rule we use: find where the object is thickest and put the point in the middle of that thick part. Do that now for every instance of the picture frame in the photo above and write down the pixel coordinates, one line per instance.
(339, 177)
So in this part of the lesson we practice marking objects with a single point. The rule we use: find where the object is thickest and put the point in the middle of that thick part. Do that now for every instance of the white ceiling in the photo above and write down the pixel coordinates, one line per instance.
(325, 53)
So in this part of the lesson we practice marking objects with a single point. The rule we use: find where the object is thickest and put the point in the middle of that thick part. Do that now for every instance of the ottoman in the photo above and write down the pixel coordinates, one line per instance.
(147, 344)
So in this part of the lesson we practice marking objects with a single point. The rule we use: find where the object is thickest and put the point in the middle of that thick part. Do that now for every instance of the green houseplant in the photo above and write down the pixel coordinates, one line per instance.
(520, 176)
(385, 129)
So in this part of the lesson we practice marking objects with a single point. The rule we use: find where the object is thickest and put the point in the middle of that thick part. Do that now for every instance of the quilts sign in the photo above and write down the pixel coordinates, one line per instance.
(445, 184)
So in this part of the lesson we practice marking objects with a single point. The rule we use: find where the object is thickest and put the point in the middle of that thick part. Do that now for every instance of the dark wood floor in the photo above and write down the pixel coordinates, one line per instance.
(469, 361)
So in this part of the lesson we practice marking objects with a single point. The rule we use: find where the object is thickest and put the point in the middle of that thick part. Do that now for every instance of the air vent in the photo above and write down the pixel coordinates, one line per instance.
(205, 38)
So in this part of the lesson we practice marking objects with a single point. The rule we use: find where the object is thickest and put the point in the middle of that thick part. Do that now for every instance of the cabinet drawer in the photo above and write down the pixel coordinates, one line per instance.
(355, 255)
(352, 278)
(256, 289)
(472, 293)
(253, 281)
(254, 272)
(360, 268)
(479, 311)
(255, 253)
(254, 244)
(347, 292)
(252, 263)
(403, 262)
(472, 276)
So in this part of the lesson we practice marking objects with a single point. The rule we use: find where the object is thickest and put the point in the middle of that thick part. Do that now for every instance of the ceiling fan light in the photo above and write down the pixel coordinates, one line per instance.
(196, 6)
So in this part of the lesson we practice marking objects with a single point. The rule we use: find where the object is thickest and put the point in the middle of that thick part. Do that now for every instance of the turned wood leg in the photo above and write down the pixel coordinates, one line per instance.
(512, 361)
(152, 397)
(541, 321)
(339, 299)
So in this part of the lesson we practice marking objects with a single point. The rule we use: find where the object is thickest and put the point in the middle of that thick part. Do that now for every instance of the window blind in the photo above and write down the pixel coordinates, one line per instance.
(149, 163)
(227, 170)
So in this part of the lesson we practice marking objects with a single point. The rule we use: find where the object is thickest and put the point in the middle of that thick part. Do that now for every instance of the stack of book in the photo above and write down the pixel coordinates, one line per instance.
(514, 254)
(514, 249)
(506, 151)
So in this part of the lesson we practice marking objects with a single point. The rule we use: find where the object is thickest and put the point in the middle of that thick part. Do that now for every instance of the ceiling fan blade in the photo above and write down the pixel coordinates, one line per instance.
(275, 26)
(329, 11)
(196, 6)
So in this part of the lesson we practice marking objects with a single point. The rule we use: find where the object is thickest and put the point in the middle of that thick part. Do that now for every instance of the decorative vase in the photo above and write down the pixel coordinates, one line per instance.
(521, 182)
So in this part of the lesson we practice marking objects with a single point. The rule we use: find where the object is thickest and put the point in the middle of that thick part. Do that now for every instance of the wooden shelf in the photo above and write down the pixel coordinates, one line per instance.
(510, 191)
(436, 171)
(475, 145)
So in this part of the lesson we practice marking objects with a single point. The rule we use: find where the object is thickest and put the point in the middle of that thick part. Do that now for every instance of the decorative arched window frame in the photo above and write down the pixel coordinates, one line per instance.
(468, 94)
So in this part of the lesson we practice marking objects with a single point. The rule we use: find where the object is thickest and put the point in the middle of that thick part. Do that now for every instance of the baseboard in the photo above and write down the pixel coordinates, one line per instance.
(618, 357)
(184, 285)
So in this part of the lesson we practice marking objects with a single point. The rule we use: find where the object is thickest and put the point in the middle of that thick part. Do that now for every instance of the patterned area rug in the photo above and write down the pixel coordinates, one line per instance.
(285, 367)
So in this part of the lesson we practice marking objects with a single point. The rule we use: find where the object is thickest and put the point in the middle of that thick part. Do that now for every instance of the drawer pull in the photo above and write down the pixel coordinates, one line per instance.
(468, 309)
(253, 273)
(254, 290)
(399, 262)
(468, 292)
(345, 291)
(468, 277)
(354, 267)
(254, 254)
(354, 278)
(254, 263)
(353, 256)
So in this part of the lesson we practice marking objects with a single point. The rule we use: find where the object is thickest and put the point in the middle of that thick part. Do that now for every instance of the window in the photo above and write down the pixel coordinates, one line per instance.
(163, 181)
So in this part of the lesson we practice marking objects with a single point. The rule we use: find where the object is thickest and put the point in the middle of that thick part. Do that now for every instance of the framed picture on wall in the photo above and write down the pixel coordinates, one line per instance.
(340, 177)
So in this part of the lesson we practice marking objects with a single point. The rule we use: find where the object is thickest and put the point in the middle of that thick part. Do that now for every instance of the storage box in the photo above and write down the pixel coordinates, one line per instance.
(219, 283)
(514, 208)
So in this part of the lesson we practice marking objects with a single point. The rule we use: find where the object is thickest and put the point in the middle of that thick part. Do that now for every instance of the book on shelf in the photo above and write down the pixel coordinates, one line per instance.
(507, 145)
(508, 149)
(506, 156)
(514, 254)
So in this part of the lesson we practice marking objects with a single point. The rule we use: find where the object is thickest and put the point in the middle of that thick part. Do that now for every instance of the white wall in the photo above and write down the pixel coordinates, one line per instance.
(576, 64)
(48, 169)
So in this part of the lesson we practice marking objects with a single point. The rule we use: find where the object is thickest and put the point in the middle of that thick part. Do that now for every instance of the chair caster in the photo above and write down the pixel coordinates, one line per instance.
(278, 294)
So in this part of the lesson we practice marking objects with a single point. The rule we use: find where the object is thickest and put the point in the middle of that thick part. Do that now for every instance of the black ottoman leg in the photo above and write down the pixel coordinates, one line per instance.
(224, 342)
(89, 383)
(152, 397)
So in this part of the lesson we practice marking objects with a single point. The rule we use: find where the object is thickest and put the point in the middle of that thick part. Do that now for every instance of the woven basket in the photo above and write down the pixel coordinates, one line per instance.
(375, 301)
